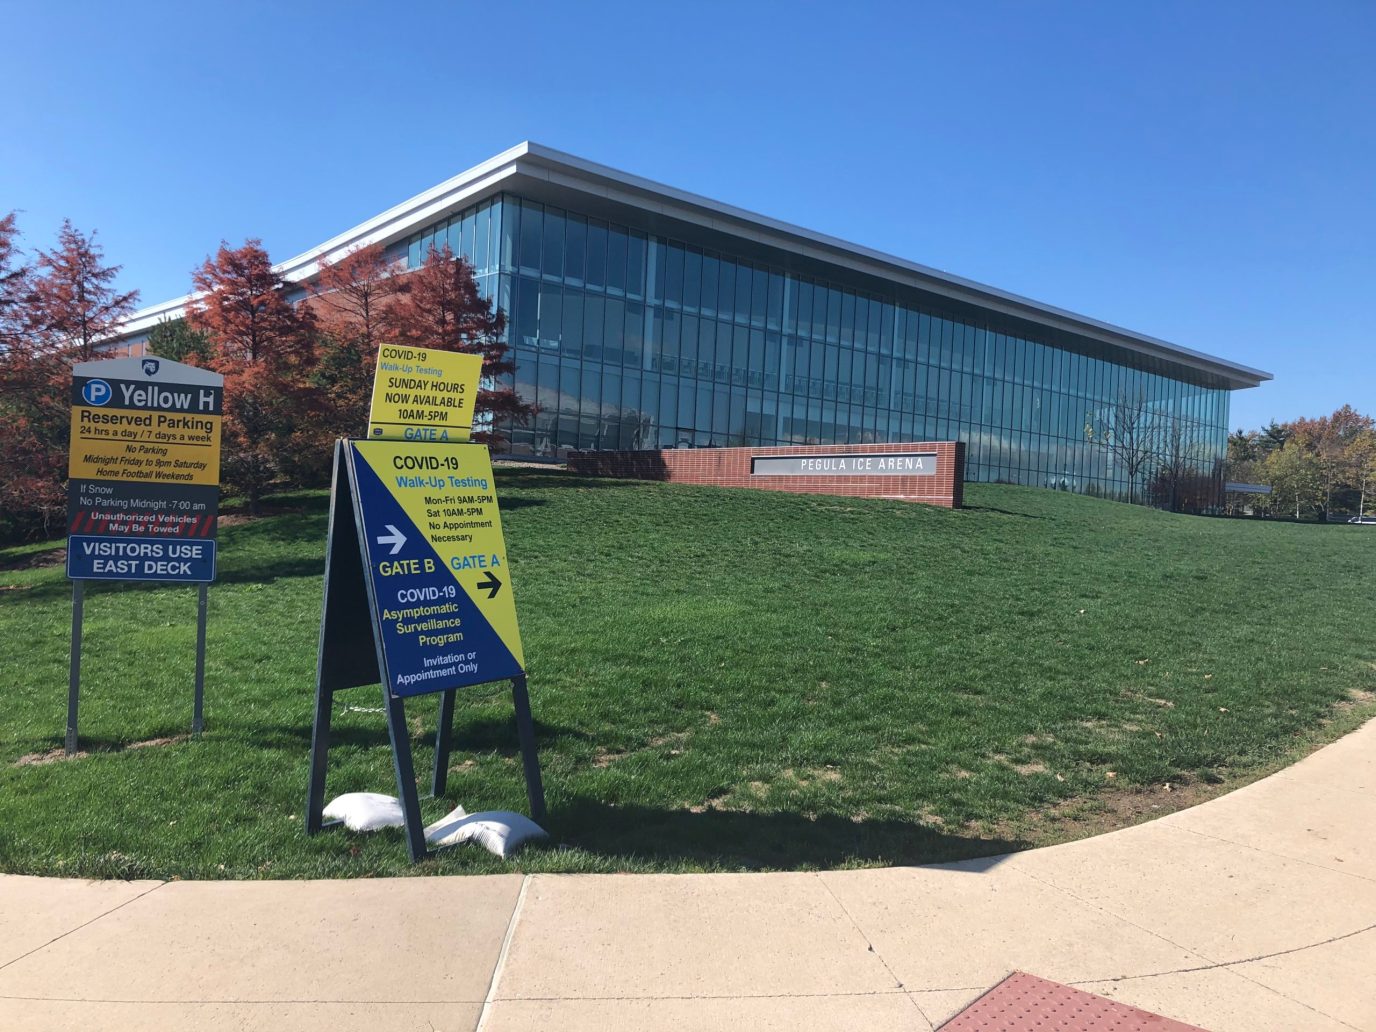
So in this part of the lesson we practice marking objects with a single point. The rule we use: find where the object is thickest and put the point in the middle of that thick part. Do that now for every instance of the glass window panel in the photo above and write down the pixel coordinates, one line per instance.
(805, 305)
(707, 337)
(759, 296)
(616, 260)
(847, 335)
(668, 410)
(635, 265)
(532, 231)
(504, 228)
(754, 362)
(790, 305)
(572, 336)
(614, 331)
(469, 222)
(721, 359)
(525, 317)
(772, 357)
(774, 313)
(610, 404)
(833, 315)
(480, 240)
(687, 345)
(660, 249)
(575, 248)
(726, 289)
(692, 280)
(673, 276)
(551, 315)
(736, 432)
(742, 306)
(711, 272)
(594, 314)
(597, 254)
(569, 392)
(721, 416)
(635, 333)
(554, 245)
(590, 423)
(687, 398)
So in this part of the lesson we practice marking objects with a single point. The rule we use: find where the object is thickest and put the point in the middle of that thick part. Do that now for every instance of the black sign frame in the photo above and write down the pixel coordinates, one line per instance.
(351, 655)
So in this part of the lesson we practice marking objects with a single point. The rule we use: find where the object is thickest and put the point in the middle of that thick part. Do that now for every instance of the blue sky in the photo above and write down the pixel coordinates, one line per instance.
(1202, 172)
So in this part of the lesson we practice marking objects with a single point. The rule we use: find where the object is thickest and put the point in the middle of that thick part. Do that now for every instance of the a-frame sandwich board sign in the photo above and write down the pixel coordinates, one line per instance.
(416, 598)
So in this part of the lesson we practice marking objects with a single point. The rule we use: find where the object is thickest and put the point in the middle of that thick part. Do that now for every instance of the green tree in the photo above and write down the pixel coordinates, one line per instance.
(1296, 479)
(1273, 436)
(1362, 465)
(175, 339)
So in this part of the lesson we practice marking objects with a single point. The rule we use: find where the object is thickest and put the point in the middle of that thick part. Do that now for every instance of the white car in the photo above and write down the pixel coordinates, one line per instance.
(1365, 520)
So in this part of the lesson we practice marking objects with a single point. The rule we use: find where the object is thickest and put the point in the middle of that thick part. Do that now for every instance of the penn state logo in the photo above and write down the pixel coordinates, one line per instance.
(150, 367)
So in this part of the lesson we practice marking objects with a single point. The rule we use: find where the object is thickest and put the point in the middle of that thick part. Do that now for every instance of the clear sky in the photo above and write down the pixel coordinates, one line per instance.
(1203, 172)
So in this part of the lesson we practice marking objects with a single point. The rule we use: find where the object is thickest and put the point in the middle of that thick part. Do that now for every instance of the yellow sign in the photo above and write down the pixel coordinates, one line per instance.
(423, 395)
(437, 562)
(147, 420)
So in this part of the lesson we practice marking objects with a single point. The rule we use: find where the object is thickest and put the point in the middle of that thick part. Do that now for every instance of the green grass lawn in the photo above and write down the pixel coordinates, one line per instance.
(721, 680)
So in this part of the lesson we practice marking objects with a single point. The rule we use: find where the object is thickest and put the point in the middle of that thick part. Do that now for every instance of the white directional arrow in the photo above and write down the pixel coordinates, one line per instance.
(396, 539)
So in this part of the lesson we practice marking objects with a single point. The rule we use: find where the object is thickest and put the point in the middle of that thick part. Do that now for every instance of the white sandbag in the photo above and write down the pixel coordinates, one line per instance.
(498, 831)
(453, 816)
(365, 811)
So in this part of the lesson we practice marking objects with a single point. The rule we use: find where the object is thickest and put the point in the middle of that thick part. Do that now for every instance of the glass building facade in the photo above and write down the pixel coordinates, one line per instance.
(624, 338)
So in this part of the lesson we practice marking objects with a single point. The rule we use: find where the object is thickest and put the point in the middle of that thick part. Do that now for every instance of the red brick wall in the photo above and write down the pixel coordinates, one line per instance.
(730, 467)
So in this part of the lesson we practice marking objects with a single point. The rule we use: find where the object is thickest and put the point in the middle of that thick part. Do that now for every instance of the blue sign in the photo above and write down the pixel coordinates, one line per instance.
(440, 604)
(96, 392)
(106, 557)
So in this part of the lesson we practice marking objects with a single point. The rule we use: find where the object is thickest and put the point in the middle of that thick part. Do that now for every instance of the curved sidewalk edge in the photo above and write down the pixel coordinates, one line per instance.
(1255, 911)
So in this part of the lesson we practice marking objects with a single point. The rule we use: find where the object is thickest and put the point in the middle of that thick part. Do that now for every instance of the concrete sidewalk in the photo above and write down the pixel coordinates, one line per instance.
(1254, 912)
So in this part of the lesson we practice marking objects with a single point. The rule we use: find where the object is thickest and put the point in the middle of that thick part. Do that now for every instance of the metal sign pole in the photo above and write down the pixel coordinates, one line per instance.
(400, 735)
(74, 671)
(198, 710)
(443, 735)
(525, 731)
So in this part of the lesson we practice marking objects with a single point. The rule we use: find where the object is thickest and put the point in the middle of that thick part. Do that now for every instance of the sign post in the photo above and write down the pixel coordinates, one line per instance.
(143, 492)
(417, 594)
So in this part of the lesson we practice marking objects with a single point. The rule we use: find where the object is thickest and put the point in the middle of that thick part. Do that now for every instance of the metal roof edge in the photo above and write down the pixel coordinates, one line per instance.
(931, 278)
(538, 160)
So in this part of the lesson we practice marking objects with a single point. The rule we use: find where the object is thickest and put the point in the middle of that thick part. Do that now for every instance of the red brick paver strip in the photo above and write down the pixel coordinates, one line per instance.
(1026, 1003)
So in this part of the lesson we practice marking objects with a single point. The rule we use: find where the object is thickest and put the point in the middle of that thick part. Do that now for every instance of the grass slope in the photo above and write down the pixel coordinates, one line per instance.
(721, 680)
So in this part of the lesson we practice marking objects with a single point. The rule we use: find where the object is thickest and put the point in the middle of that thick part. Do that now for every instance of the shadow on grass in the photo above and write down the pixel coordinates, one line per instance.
(30, 559)
(485, 735)
(754, 841)
(540, 480)
(264, 574)
(511, 504)
(50, 747)
(1000, 512)
(269, 572)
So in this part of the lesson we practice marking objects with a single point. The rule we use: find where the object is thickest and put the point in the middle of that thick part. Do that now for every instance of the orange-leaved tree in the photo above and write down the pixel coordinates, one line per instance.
(349, 299)
(438, 306)
(75, 307)
(264, 346)
(61, 310)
